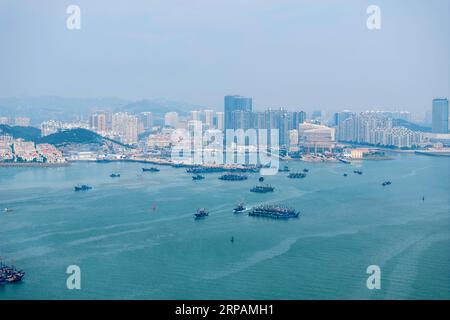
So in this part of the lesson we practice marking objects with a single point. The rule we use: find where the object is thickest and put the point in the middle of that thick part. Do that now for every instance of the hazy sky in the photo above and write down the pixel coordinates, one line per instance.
(300, 54)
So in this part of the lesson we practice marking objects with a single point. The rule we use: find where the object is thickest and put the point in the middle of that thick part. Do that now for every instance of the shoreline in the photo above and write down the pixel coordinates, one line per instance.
(32, 164)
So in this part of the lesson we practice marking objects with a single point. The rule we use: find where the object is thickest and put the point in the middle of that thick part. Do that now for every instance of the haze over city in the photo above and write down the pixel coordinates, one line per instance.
(295, 54)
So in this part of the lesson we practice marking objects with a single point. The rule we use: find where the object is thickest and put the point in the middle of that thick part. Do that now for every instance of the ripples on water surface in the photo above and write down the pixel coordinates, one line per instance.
(127, 250)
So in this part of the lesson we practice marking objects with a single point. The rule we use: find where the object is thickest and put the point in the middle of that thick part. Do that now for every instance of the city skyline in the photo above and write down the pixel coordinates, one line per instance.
(195, 54)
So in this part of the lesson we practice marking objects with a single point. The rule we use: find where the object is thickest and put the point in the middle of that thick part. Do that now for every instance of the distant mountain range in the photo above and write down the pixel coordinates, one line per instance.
(73, 136)
(44, 108)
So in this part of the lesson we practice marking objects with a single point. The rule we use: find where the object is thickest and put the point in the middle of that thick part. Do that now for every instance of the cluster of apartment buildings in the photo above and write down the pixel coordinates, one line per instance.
(18, 121)
(51, 126)
(20, 151)
(377, 128)
(238, 114)
(121, 126)
(371, 127)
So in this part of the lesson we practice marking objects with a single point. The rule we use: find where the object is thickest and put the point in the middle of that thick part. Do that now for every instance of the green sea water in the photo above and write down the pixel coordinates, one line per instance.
(134, 237)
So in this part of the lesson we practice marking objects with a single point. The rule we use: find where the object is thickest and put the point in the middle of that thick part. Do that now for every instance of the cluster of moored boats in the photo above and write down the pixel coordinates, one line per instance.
(233, 177)
(274, 212)
(10, 274)
(266, 211)
(262, 189)
(244, 169)
(297, 175)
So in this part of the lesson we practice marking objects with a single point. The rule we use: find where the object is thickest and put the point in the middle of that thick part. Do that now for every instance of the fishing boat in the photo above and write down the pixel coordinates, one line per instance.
(274, 212)
(344, 160)
(262, 189)
(83, 187)
(240, 208)
(152, 169)
(201, 213)
(8, 210)
(233, 177)
(198, 177)
(9, 274)
(297, 175)
(115, 175)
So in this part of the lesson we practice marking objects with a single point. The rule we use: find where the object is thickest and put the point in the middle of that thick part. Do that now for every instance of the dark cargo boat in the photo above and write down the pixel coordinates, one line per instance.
(198, 177)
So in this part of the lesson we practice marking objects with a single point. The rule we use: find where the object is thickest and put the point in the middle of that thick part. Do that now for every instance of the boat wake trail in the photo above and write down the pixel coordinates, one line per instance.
(260, 256)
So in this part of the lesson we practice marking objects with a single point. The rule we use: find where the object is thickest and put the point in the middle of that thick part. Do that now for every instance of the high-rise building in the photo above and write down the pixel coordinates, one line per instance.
(285, 126)
(279, 119)
(209, 118)
(233, 104)
(147, 120)
(195, 115)
(341, 116)
(297, 118)
(376, 129)
(97, 121)
(220, 120)
(22, 121)
(50, 127)
(241, 119)
(259, 120)
(126, 127)
(440, 115)
(171, 119)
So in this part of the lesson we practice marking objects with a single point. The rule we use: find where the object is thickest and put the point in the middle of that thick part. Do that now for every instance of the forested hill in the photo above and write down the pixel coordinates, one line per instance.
(73, 136)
